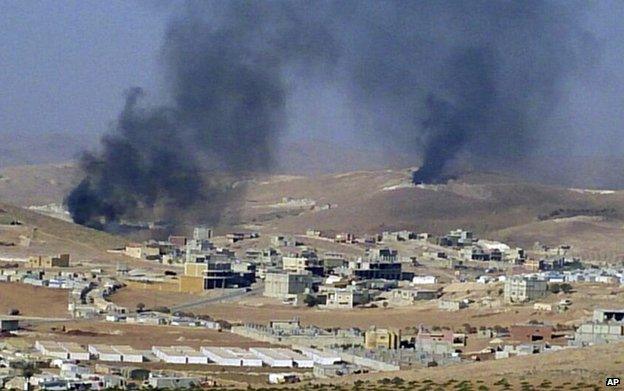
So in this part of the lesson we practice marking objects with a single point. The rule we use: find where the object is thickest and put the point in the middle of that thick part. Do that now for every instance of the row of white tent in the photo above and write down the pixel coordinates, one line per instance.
(254, 357)
(73, 351)
(225, 356)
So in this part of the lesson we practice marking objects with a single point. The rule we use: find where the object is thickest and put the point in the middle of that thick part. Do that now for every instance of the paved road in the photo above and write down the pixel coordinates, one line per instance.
(231, 294)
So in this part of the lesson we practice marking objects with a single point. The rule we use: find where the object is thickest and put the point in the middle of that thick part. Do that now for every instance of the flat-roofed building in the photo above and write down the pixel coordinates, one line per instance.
(192, 355)
(130, 354)
(7, 325)
(64, 350)
(375, 338)
(45, 262)
(179, 355)
(52, 349)
(75, 351)
(519, 289)
(221, 356)
(105, 353)
(231, 356)
(272, 357)
(287, 285)
(298, 359)
(320, 357)
(169, 354)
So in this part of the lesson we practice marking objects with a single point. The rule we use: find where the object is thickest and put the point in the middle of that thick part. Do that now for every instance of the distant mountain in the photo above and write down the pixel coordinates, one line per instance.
(18, 149)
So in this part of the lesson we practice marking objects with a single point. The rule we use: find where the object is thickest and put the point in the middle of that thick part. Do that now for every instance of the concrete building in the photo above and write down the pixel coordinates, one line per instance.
(452, 305)
(64, 350)
(206, 274)
(382, 254)
(375, 338)
(45, 262)
(105, 353)
(343, 298)
(375, 269)
(273, 357)
(424, 280)
(129, 354)
(179, 355)
(607, 326)
(457, 238)
(320, 357)
(230, 356)
(300, 264)
(411, 294)
(202, 233)
(7, 325)
(287, 285)
(172, 382)
(608, 315)
(520, 289)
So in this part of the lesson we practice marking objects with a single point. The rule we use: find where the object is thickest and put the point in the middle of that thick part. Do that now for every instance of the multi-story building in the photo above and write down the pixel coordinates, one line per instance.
(44, 262)
(284, 285)
(376, 269)
(519, 289)
(375, 338)
(211, 274)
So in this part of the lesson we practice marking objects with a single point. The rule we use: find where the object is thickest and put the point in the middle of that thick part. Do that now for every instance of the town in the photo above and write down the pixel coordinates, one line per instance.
(323, 300)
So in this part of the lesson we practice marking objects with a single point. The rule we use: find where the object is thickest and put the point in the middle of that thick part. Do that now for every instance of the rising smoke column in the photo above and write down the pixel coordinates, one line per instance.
(455, 81)
(450, 81)
(223, 63)
(140, 164)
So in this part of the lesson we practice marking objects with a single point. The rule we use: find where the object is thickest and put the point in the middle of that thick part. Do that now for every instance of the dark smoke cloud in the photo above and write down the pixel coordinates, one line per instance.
(142, 162)
(451, 81)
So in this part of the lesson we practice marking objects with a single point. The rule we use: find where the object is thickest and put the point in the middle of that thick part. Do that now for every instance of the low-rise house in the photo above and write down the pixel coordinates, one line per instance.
(172, 382)
(452, 305)
(320, 357)
(411, 294)
(531, 332)
(343, 298)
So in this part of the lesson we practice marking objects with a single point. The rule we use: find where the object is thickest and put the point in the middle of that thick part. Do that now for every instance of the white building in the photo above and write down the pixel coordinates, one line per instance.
(424, 280)
(232, 356)
(105, 353)
(320, 357)
(169, 354)
(129, 354)
(272, 357)
(64, 350)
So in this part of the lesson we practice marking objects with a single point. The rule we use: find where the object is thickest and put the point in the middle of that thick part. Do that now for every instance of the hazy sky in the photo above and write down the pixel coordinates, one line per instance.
(64, 66)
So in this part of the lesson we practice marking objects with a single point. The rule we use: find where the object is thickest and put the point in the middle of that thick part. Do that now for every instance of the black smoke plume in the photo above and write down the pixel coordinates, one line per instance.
(454, 82)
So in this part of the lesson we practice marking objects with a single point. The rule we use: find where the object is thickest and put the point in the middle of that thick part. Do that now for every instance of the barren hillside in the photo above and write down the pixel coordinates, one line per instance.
(492, 205)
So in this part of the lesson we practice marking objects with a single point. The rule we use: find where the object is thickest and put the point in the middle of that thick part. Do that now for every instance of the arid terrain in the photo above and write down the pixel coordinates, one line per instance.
(496, 207)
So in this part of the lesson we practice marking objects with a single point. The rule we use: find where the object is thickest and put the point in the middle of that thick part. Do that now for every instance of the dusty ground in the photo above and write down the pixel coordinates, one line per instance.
(260, 309)
(566, 370)
(138, 336)
(129, 297)
(33, 301)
